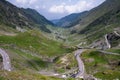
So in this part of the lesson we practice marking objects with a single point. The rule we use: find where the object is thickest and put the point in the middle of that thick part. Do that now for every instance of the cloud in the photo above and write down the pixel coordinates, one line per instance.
(70, 0)
(53, 9)
(37, 7)
(32, 1)
(78, 7)
(21, 1)
(26, 2)
(58, 8)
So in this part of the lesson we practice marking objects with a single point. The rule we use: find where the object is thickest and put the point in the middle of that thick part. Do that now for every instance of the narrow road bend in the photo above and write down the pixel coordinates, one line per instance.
(107, 41)
(81, 69)
(6, 60)
(117, 33)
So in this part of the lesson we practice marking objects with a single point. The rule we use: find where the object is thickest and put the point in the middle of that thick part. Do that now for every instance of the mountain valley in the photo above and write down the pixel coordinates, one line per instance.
(80, 46)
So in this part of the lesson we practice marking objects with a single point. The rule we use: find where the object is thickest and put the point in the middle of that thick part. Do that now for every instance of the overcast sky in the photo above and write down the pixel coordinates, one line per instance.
(55, 9)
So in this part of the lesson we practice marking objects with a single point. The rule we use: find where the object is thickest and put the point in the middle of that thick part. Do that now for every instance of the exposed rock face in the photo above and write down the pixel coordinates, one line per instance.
(112, 38)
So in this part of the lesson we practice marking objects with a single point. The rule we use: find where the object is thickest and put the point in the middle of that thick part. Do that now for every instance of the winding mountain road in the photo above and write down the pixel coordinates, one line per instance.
(107, 42)
(116, 33)
(6, 60)
(106, 52)
(81, 70)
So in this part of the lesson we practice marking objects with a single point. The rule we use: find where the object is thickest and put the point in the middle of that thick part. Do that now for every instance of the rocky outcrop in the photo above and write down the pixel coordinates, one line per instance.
(114, 39)
(108, 41)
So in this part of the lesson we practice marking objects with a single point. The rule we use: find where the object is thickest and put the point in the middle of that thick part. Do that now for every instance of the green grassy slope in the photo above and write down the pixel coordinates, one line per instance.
(21, 60)
(103, 66)
(23, 75)
(31, 50)
(35, 42)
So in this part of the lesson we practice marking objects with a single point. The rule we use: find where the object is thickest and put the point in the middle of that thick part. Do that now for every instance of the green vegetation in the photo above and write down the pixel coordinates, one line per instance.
(2, 78)
(36, 17)
(4, 29)
(108, 75)
(22, 18)
(114, 50)
(46, 49)
(99, 21)
(35, 42)
(23, 75)
(31, 50)
(100, 64)
(98, 31)
(25, 61)
(65, 63)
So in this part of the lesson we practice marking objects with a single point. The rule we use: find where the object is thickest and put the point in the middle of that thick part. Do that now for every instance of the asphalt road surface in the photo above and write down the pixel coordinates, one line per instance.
(6, 60)
(81, 69)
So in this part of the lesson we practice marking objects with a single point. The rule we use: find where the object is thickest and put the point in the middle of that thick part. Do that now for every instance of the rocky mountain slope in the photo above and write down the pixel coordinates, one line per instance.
(99, 21)
(106, 7)
(35, 54)
(23, 18)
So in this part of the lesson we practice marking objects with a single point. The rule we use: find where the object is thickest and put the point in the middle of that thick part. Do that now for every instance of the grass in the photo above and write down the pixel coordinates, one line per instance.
(108, 75)
(6, 28)
(102, 66)
(100, 32)
(35, 42)
(95, 33)
(114, 50)
(97, 63)
(23, 75)
(31, 51)
(26, 61)
(2, 78)
(65, 63)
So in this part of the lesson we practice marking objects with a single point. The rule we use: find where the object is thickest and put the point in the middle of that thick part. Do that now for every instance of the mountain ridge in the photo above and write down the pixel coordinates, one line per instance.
(23, 18)
(70, 20)
(35, 54)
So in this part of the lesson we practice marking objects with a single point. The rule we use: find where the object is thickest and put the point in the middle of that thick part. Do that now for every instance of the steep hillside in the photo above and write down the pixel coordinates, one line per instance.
(99, 21)
(98, 12)
(23, 18)
(31, 51)
(34, 16)
(107, 23)
(70, 20)
(81, 39)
